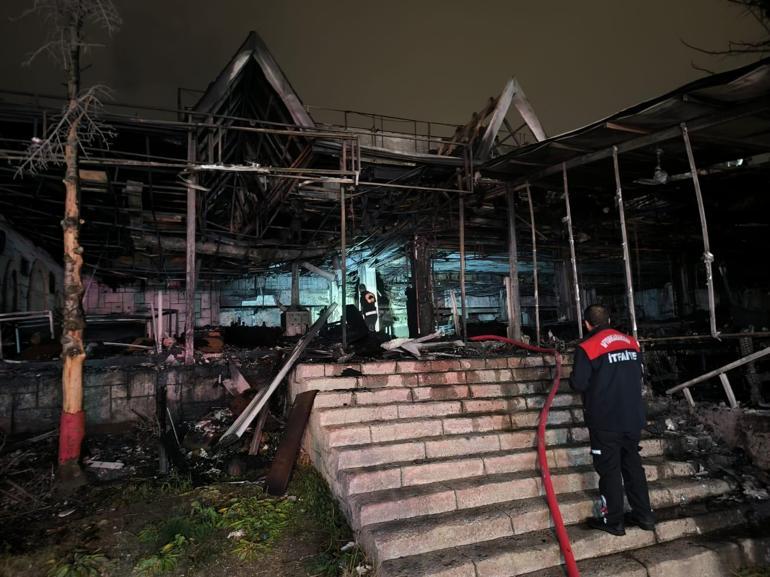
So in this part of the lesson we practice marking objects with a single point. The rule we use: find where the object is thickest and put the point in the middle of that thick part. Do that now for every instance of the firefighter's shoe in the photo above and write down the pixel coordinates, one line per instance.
(644, 525)
(597, 523)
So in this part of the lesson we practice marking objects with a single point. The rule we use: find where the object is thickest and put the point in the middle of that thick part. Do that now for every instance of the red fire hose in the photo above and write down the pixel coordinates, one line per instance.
(553, 504)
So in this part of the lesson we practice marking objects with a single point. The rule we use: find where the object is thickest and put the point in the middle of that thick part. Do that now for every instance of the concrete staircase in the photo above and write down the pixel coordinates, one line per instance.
(434, 465)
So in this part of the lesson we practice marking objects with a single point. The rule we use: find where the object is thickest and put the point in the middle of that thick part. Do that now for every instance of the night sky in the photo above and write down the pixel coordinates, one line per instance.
(430, 59)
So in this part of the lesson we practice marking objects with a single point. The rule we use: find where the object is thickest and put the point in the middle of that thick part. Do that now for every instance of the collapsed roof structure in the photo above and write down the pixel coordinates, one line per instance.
(269, 181)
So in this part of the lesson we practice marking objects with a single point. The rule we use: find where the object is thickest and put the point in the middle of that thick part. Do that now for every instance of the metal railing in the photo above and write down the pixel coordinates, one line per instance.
(22, 319)
(720, 372)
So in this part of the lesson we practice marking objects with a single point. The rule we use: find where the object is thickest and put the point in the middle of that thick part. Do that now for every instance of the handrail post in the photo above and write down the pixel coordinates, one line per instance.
(534, 264)
(573, 258)
(624, 234)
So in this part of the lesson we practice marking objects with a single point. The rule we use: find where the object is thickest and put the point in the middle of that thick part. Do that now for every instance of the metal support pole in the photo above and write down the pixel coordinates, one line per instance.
(416, 287)
(422, 284)
(626, 256)
(295, 284)
(463, 303)
(343, 260)
(514, 303)
(343, 269)
(568, 220)
(534, 265)
(508, 305)
(708, 257)
(343, 250)
(189, 323)
(160, 327)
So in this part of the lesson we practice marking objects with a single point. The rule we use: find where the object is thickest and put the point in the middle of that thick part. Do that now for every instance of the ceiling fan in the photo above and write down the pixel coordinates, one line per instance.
(660, 176)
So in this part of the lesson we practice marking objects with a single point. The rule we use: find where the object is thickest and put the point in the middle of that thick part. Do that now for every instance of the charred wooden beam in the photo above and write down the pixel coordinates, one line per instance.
(255, 255)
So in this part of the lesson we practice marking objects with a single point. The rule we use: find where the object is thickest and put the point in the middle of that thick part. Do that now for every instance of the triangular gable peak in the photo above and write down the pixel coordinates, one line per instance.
(253, 50)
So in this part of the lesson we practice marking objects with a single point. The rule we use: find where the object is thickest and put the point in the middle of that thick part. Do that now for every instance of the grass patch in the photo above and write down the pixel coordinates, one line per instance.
(164, 561)
(165, 529)
(317, 503)
(257, 523)
(150, 490)
(78, 563)
(198, 524)
(245, 527)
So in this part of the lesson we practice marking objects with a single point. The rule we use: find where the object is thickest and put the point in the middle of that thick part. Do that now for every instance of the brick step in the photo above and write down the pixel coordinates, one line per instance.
(434, 498)
(415, 410)
(395, 411)
(352, 434)
(301, 384)
(708, 556)
(305, 370)
(401, 538)
(521, 554)
(385, 395)
(447, 445)
(424, 471)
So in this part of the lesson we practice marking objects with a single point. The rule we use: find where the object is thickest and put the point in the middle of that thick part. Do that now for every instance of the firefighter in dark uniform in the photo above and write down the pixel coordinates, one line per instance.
(368, 307)
(608, 373)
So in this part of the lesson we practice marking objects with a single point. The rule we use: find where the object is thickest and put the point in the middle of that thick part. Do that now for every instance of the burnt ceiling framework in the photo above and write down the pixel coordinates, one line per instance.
(268, 179)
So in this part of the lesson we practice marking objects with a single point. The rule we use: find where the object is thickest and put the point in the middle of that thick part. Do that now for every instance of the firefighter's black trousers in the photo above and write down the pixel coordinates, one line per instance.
(617, 461)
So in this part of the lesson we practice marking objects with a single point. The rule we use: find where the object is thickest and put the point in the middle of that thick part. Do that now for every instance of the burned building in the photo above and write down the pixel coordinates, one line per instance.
(243, 216)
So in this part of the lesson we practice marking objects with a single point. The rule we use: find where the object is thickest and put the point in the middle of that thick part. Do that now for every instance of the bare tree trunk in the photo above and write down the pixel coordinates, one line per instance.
(72, 428)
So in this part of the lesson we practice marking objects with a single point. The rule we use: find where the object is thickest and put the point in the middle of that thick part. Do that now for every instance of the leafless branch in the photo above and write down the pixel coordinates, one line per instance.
(85, 114)
(701, 68)
(59, 15)
(65, 20)
(760, 11)
(734, 48)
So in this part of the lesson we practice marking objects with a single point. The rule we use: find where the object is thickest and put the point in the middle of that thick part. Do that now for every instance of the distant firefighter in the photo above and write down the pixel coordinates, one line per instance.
(411, 311)
(368, 307)
(387, 320)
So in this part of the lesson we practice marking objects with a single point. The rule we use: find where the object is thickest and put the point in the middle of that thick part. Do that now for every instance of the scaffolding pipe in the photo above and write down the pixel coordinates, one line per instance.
(573, 259)
(626, 256)
(708, 257)
(534, 264)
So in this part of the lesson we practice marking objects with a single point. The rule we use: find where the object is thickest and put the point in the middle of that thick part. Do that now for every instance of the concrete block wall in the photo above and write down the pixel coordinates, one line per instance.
(30, 398)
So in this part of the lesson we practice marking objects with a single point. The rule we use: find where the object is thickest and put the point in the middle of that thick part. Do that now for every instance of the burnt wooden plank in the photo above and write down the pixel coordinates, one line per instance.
(280, 471)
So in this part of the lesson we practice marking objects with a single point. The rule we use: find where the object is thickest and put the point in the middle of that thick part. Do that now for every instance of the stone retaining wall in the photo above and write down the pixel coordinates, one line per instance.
(115, 393)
